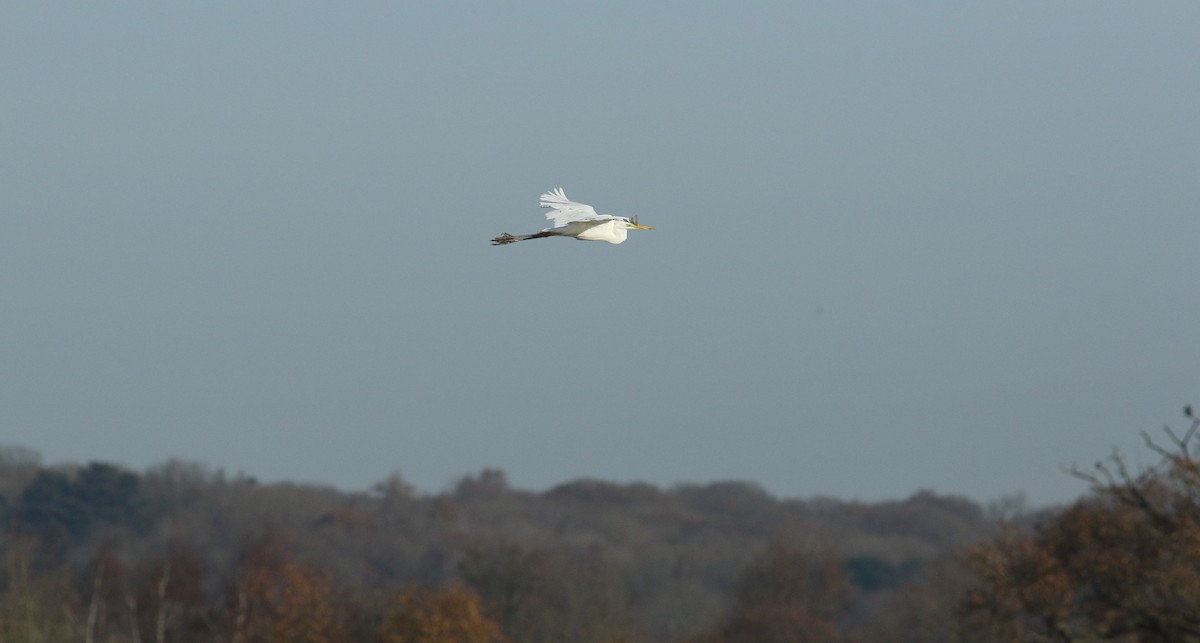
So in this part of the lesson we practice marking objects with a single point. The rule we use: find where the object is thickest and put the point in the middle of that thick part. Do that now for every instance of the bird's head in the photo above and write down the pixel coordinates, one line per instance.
(632, 223)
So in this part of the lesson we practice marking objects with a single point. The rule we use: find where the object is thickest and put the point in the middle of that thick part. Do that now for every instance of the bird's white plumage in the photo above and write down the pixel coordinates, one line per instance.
(612, 230)
(564, 211)
(576, 220)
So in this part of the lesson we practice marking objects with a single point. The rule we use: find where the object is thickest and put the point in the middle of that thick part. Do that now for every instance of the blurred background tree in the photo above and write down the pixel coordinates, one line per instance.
(451, 615)
(792, 592)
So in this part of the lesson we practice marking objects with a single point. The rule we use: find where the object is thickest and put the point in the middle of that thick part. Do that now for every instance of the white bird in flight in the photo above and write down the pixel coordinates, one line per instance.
(576, 220)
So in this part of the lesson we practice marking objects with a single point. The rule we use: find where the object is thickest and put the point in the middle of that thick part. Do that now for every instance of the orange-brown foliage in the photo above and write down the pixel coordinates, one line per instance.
(449, 616)
(305, 608)
(1122, 564)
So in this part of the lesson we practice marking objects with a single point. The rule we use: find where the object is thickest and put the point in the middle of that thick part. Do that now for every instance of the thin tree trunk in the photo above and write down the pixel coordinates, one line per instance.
(160, 623)
(135, 631)
(89, 635)
(240, 621)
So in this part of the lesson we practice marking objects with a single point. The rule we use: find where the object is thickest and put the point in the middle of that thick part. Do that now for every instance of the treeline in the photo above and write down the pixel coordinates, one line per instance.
(183, 552)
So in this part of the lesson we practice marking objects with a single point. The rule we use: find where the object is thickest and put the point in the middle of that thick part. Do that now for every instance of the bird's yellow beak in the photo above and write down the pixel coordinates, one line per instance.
(640, 227)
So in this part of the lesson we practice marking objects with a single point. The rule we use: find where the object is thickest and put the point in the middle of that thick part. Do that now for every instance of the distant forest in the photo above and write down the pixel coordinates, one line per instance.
(183, 552)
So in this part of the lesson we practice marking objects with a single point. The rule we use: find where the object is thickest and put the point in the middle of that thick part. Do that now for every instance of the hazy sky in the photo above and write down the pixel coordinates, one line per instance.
(936, 245)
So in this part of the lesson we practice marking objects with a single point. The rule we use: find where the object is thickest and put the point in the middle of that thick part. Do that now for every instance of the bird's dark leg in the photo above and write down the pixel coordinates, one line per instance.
(507, 238)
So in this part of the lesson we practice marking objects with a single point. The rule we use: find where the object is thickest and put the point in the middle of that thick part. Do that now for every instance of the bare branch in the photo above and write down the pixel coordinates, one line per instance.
(1157, 449)
(1187, 437)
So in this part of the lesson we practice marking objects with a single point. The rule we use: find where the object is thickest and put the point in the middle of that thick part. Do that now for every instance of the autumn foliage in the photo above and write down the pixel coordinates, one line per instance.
(182, 553)
(790, 593)
(449, 616)
(1120, 564)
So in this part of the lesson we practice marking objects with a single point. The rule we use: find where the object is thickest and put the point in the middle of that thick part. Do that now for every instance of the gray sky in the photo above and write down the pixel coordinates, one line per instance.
(899, 245)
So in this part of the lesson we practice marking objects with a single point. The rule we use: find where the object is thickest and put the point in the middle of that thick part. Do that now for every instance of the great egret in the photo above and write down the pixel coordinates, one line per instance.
(576, 220)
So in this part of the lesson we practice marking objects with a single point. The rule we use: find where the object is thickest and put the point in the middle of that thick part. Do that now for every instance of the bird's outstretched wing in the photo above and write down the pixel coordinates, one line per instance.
(564, 211)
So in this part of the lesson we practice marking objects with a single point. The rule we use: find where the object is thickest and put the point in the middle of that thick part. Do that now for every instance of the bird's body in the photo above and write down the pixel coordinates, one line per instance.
(612, 231)
(576, 220)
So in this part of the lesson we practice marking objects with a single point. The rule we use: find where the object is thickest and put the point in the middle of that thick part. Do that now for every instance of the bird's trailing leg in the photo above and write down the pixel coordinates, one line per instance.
(507, 238)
